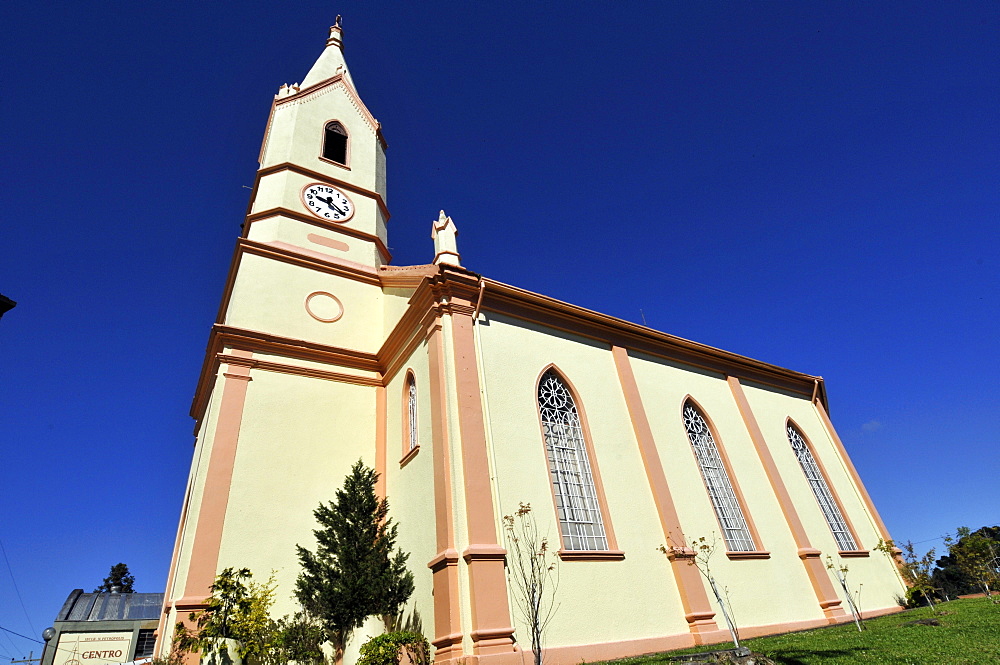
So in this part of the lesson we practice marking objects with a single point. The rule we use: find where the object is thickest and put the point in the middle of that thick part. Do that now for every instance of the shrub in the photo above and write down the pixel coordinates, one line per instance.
(384, 649)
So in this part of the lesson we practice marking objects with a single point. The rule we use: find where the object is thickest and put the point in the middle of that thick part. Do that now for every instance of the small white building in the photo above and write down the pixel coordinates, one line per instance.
(469, 397)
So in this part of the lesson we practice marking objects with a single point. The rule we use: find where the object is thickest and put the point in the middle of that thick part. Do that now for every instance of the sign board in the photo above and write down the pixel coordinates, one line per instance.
(93, 648)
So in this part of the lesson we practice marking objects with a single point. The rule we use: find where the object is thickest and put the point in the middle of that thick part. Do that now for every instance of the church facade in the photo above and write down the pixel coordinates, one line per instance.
(470, 397)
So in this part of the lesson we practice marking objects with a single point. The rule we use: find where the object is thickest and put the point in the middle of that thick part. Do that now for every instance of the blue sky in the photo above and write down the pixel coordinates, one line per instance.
(809, 184)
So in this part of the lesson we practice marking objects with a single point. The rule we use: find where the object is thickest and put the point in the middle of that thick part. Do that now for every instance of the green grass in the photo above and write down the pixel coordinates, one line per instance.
(969, 634)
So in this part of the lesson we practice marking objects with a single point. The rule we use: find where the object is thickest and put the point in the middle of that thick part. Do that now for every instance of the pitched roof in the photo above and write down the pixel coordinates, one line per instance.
(80, 606)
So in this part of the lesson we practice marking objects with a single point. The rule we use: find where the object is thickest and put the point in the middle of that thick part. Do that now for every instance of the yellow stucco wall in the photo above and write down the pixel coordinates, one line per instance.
(296, 136)
(876, 573)
(259, 303)
(298, 439)
(598, 598)
(410, 489)
(768, 591)
(196, 488)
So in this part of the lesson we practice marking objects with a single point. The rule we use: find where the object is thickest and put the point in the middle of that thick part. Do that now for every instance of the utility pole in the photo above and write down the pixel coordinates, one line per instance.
(27, 660)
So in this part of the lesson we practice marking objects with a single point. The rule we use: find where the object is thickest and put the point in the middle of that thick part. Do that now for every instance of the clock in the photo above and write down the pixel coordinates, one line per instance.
(327, 202)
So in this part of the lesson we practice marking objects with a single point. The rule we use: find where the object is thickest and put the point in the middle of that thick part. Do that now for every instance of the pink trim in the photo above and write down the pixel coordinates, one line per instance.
(321, 319)
(215, 497)
(334, 80)
(326, 258)
(328, 242)
(444, 566)
(410, 454)
(591, 555)
(852, 471)
(737, 556)
(690, 586)
(819, 578)
(380, 443)
(491, 630)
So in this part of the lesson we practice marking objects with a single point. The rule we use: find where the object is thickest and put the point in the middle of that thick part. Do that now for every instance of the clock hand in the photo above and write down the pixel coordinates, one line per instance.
(329, 202)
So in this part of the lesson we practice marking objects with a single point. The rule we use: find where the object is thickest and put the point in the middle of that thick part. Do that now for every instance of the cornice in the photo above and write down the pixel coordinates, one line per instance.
(405, 334)
(519, 303)
(406, 276)
(319, 223)
(301, 260)
(223, 336)
(305, 93)
(448, 290)
(322, 177)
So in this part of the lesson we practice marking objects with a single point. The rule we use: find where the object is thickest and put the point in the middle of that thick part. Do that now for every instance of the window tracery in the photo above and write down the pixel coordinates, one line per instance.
(720, 488)
(577, 505)
(824, 497)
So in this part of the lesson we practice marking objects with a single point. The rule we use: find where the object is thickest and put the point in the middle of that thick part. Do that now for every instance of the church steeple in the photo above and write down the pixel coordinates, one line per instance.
(331, 62)
(322, 169)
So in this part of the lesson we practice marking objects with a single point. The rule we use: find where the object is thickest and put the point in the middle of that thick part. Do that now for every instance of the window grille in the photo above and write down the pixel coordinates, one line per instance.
(335, 143)
(831, 511)
(144, 645)
(569, 466)
(411, 410)
(720, 489)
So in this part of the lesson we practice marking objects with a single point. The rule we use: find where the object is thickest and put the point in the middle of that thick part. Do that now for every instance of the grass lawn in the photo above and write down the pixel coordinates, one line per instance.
(969, 634)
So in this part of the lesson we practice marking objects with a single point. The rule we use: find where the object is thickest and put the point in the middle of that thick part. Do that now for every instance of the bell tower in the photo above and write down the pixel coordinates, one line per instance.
(321, 134)
(291, 392)
(307, 263)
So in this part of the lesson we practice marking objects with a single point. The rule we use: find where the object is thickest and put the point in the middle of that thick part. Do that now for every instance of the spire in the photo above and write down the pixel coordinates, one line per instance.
(444, 232)
(331, 62)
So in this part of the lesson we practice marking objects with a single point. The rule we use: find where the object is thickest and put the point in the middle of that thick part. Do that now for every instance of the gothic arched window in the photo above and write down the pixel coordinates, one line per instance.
(824, 497)
(411, 411)
(720, 488)
(335, 143)
(577, 504)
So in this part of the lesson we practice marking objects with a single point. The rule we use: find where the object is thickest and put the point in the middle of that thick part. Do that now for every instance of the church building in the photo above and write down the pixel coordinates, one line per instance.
(470, 397)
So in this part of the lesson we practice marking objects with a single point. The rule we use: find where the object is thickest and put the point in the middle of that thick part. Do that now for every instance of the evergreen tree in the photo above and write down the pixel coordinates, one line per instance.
(354, 573)
(119, 577)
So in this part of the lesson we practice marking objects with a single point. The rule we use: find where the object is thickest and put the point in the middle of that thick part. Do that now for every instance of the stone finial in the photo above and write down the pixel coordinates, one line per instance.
(444, 232)
(336, 37)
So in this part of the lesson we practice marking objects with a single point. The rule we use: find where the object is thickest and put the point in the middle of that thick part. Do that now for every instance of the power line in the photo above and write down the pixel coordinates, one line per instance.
(10, 642)
(14, 632)
(16, 590)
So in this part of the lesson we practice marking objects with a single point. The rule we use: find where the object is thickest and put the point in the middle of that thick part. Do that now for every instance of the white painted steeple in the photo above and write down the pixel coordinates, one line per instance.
(321, 185)
(331, 62)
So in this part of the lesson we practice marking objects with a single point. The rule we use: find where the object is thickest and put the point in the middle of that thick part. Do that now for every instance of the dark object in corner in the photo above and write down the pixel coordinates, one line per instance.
(6, 304)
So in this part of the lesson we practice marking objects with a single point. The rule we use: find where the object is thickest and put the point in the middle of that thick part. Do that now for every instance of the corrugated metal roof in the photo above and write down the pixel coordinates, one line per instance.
(82, 606)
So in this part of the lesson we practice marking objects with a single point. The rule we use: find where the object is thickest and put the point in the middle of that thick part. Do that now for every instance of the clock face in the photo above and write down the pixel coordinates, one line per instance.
(327, 202)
